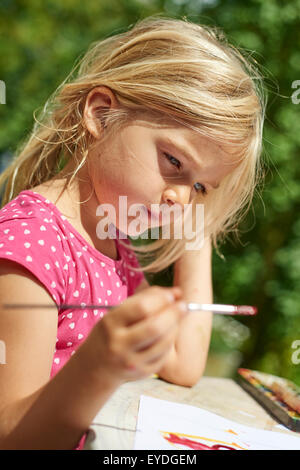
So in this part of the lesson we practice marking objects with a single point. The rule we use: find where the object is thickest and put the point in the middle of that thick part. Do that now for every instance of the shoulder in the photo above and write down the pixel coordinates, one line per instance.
(30, 236)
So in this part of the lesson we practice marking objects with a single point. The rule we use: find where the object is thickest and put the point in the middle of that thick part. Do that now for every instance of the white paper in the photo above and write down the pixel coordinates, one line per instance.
(160, 420)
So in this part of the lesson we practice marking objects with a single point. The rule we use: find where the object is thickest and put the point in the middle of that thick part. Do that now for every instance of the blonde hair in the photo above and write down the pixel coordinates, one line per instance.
(166, 68)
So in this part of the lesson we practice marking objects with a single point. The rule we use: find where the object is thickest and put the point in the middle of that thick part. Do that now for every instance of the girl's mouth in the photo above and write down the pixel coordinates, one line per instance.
(152, 216)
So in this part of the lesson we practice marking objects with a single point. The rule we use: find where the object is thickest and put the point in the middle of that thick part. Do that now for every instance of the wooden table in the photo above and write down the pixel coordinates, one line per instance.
(114, 426)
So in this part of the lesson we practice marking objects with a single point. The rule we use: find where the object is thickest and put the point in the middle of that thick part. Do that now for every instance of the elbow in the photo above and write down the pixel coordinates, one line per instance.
(184, 378)
(189, 380)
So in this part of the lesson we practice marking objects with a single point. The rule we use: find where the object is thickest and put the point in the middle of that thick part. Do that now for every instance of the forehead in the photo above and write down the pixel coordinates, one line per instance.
(203, 149)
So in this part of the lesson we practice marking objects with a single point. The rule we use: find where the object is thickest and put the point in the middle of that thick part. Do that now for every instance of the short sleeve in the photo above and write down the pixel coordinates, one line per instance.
(34, 244)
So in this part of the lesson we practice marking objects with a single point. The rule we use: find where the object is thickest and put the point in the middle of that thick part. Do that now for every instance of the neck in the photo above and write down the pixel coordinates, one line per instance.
(78, 202)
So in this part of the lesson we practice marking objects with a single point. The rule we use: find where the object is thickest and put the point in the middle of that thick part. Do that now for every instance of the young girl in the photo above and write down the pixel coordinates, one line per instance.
(166, 113)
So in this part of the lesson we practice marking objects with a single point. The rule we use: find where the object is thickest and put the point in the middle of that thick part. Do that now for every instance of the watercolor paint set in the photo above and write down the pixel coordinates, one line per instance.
(279, 396)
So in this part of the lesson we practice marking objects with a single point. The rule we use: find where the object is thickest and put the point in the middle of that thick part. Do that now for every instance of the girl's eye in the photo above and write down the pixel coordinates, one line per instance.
(200, 188)
(173, 160)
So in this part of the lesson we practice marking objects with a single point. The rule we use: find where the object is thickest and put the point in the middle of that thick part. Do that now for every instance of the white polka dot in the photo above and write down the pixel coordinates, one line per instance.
(53, 249)
(117, 284)
(95, 312)
(84, 248)
(9, 253)
(73, 352)
(79, 254)
(97, 274)
(53, 284)
(57, 360)
(11, 237)
(70, 280)
(82, 285)
(66, 267)
(1, 245)
(29, 213)
(70, 315)
(6, 230)
(109, 273)
(56, 264)
(101, 283)
(72, 325)
(71, 235)
(26, 231)
(84, 315)
(76, 294)
(91, 260)
(47, 266)
(102, 264)
(58, 238)
(83, 304)
(67, 257)
(80, 336)
(69, 344)
(41, 242)
(108, 292)
(28, 258)
(42, 228)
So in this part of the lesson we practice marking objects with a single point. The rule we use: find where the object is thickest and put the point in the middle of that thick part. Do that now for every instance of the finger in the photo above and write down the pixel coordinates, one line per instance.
(147, 360)
(142, 334)
(145, 304)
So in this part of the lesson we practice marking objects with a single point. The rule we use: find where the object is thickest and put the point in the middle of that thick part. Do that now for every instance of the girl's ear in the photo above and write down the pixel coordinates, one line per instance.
(98, 100)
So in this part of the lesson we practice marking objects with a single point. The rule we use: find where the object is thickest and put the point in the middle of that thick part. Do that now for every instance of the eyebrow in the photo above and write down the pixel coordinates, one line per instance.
(188, 156)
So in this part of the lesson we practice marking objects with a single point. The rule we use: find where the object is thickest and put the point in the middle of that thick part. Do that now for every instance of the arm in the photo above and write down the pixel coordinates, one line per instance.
(36, 413)
(187, 359)
(129, 343)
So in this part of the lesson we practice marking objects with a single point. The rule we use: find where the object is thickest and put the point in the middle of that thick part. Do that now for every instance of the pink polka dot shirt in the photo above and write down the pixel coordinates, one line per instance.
(35, 234)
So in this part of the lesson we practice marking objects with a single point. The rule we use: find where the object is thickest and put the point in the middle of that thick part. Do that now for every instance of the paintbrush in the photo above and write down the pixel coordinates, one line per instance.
(191, 306)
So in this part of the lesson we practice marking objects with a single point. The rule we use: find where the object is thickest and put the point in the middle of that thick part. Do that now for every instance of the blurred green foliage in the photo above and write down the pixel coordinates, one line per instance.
(40, 42)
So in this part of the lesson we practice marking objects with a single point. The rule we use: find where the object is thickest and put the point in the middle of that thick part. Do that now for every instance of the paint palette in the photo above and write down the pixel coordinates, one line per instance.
(261, 386)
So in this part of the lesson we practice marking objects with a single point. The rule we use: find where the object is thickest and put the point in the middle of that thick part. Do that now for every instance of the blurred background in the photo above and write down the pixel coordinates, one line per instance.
(40, 42)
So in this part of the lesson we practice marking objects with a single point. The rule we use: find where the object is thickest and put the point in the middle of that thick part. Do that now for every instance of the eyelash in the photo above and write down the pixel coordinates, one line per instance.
(170, 158)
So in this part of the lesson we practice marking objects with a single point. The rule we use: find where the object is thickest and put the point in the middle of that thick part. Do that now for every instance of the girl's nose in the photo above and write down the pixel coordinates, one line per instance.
(180, 196)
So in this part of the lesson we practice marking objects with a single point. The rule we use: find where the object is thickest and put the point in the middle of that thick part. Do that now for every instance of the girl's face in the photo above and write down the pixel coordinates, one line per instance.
(151, 165)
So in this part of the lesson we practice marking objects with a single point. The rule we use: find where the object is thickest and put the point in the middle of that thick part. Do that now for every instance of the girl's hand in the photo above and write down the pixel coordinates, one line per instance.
(132, 340)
